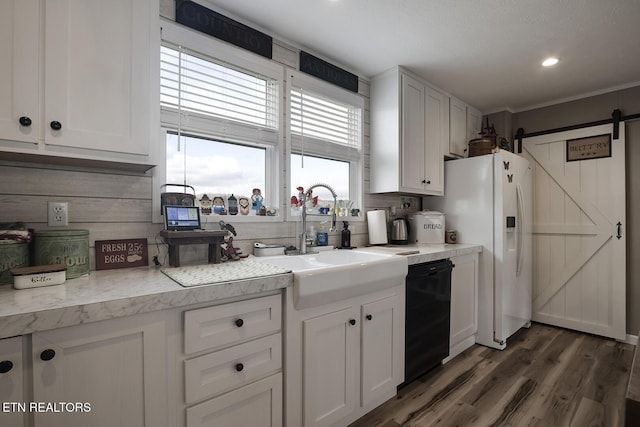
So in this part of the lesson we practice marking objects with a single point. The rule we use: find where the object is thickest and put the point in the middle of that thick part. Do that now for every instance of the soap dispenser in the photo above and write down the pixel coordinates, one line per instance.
(345, 241)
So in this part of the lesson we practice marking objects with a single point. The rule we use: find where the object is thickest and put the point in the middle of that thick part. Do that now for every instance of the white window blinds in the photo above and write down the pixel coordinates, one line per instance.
(194, 85)
(323, 119)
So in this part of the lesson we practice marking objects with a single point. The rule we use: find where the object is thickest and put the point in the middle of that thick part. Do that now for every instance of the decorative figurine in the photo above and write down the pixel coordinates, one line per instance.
(228, 252)
(205, 205)
(256, 199)
(218, 206)
(244, 205)
(233, 205)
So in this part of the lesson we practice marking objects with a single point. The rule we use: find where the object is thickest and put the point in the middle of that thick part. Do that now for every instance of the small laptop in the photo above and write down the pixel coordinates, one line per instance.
(181, 218)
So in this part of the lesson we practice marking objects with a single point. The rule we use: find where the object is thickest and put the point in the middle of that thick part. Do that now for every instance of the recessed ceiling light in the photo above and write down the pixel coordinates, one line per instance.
(549, 62)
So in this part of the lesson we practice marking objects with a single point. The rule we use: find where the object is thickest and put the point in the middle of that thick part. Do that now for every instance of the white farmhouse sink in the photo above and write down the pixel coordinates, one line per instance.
(332, 276)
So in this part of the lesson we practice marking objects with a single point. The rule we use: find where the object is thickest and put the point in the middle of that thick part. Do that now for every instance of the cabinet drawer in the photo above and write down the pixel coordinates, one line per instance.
(257, 405)
(223, 325)
(226, 369)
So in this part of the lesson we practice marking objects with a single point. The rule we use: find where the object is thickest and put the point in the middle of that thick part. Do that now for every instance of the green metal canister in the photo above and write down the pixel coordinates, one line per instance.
(69, 247)
(13, 253)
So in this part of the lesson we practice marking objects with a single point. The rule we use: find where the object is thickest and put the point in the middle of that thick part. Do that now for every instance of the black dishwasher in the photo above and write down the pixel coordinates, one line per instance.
(427, 319)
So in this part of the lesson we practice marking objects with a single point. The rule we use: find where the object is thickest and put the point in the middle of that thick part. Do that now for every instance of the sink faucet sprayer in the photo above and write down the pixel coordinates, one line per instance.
(305, 196)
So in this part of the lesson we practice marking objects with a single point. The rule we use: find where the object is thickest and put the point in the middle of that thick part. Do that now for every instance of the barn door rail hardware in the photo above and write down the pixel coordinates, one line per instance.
(616, 118)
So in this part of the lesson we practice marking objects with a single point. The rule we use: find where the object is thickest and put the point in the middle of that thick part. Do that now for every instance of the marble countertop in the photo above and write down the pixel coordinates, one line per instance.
(108, 294)
(417, 254)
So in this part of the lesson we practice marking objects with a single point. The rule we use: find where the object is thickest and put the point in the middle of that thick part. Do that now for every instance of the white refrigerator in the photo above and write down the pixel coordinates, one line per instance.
(488, 201)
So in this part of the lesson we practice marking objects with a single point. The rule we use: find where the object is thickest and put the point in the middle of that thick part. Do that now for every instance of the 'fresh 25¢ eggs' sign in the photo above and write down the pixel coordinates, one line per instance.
(121, 253)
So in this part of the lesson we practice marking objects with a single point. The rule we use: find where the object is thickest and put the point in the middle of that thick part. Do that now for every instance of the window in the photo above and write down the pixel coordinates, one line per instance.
(221, 121)
(215, 167)
(325, 138)
(334, 173)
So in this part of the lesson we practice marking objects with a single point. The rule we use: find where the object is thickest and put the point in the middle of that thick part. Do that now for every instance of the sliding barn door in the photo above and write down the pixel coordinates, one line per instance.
(579, 230)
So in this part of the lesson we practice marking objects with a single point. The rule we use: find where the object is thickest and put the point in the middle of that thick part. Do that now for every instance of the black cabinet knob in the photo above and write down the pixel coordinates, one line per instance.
(368, 317)
(239, 367)
(47, 354)
(352, 322)
(25, 121)
(5, 366)
(428, 182)
(55, 125)
(239, 323)
(424, 181)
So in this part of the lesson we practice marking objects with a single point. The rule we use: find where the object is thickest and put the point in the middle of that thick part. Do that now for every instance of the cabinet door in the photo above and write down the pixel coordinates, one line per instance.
(437, 130)
(258, 404)
(11, 385)
(382, 348)
(457, 145)
(116, 367)
(474, 123)
(97, 74)
(330, 357)
(19, 77)
(464, 298)
(412, 135)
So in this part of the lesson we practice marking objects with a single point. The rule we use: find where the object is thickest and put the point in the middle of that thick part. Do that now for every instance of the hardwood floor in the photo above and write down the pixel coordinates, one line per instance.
(547, 377)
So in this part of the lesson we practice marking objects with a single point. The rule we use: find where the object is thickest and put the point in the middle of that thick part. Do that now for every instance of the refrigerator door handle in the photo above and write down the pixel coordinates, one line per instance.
(521, 227)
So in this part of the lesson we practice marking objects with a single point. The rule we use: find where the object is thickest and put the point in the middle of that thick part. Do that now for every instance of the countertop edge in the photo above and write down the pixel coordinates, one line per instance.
(71, 312)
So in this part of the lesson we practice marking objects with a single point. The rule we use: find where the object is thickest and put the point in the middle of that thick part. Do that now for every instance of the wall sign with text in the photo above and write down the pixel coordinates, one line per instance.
(592, 147)
(123, 253)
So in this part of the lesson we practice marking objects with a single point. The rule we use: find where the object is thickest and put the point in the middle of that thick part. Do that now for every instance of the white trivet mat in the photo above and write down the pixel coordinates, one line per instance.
(207, 274)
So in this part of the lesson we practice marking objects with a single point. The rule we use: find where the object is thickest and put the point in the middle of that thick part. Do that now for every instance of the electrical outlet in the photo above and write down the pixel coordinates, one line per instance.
(58, 214)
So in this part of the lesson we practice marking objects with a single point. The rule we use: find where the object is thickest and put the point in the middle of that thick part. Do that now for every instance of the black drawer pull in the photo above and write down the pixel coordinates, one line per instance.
(352, 322)
(239, 323)
(239, 367)
(55, 125)
(5, 366)
(368, 317)
(25, 121)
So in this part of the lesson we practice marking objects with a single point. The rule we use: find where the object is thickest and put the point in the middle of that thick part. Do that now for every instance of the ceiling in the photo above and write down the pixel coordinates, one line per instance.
(485, 52)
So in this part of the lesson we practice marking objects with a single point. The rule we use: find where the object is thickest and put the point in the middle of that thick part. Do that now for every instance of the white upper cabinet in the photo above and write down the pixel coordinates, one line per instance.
(79, 80)
(457, 144)
(409, 125)
(19, 71)
(474, 122)
(465, 122)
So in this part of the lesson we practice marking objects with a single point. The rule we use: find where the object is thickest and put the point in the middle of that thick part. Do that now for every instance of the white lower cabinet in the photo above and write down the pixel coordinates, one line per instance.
(215, 365)
(330, 352)
(343, 359)
(11, 382)
(109, 373)
(232, 364)
(380, 371)
(464, 304)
